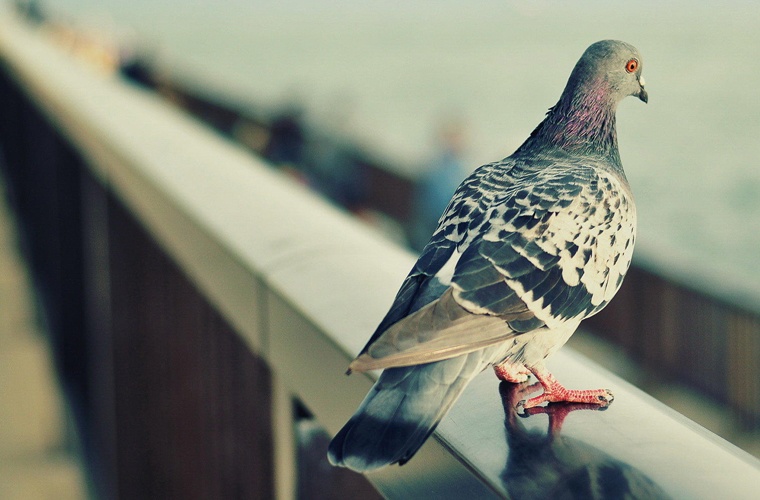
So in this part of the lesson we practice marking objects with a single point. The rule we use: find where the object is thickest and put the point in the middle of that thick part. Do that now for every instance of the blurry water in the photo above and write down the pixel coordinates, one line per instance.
(391, 69)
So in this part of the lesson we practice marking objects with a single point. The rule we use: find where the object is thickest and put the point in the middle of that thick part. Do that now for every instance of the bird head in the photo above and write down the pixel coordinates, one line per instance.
(612, 69)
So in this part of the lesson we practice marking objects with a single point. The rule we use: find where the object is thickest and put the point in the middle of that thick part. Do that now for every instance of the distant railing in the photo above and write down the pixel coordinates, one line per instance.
(204, 308)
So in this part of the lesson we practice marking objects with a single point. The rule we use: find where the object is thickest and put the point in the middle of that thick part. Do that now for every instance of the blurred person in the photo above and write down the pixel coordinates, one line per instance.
(286, 138)
(332, 157)
(436, 186)
(334, 172)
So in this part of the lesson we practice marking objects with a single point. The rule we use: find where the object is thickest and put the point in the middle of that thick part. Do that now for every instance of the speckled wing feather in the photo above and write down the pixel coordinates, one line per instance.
(522, 245)
(561, 237)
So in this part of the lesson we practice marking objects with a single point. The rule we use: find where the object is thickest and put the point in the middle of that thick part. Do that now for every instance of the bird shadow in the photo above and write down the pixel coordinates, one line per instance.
(549, 465)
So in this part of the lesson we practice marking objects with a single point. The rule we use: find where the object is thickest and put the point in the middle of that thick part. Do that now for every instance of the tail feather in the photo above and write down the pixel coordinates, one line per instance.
(401, 411)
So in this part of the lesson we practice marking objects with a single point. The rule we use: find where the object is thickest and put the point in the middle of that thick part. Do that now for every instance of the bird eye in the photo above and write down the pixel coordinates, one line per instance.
(631, 65)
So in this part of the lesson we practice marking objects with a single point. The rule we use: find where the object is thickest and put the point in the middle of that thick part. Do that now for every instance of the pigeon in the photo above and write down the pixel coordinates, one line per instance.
(527, 248)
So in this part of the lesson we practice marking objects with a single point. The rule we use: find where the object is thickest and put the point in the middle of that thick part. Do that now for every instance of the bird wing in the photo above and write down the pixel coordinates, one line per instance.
(518, 249)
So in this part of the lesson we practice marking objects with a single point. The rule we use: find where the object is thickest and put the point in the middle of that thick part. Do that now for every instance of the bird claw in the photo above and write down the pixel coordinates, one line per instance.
(521, 410)
(599, 397)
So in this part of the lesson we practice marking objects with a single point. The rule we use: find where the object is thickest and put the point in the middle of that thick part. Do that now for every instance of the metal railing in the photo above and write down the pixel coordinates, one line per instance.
(193, 295)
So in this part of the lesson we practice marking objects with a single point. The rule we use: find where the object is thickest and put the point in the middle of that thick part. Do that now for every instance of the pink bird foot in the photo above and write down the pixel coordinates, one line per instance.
(512, 394)
(554, 392)
(510, 372)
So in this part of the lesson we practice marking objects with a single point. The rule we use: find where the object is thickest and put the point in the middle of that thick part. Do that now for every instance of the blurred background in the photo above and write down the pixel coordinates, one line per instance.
(388, 79)
(385, 107)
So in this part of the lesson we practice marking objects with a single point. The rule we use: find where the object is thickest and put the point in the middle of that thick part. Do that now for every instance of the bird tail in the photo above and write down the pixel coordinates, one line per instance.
(401, 411)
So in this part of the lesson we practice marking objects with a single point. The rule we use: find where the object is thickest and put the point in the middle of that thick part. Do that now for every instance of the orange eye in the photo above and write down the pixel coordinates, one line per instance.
(632, 65)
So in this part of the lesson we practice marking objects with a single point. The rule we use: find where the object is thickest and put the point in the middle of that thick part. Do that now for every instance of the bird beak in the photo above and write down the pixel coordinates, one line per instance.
(643, 93)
